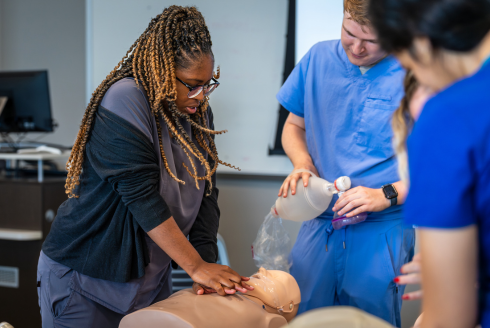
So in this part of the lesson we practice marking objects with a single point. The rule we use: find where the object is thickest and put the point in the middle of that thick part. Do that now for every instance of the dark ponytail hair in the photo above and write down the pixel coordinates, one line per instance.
(457, 25)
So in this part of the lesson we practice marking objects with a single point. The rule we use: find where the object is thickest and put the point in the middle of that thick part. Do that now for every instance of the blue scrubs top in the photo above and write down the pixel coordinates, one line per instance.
(347, 116)
(449, 160)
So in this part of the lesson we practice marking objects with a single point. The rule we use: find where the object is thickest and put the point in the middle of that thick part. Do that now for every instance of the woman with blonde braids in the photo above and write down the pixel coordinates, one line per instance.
(141, 177)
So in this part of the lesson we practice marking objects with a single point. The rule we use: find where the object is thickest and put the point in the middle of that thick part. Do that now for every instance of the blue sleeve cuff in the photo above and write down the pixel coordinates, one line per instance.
(290, 107)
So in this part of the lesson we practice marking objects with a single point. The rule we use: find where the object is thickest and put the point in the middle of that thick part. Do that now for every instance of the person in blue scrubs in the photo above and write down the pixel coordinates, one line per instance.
(341, 97)
(447, 45)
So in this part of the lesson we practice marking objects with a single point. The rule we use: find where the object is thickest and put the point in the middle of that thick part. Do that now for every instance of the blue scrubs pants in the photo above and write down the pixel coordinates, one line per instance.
(353, 266)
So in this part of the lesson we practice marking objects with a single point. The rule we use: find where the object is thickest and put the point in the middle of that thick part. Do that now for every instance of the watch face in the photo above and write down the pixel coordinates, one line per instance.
(390, 191)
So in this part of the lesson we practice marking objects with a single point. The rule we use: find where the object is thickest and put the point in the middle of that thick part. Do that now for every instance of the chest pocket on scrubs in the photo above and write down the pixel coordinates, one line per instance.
(374, 130)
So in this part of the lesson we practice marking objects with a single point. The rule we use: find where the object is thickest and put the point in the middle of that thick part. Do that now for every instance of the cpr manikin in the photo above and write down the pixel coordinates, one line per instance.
(272, 303)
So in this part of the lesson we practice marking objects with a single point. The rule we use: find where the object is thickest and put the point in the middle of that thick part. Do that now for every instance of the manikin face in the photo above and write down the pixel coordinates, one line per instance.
(278, 290)
(360, 43)
(200, 73)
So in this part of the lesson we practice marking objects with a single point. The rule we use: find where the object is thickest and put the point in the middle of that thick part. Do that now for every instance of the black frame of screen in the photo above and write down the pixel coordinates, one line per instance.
(289, 64)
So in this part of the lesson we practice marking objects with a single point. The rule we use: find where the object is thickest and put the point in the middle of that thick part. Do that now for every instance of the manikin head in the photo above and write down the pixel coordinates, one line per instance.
(277, 290)
(358, 38)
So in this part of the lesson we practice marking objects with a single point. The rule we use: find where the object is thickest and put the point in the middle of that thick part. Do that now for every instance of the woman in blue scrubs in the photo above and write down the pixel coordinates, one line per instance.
(447, 45)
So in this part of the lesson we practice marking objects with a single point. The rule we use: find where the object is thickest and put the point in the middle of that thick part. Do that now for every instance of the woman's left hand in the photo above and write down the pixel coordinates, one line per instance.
(201, 290)
(411, 276)
(361, 199)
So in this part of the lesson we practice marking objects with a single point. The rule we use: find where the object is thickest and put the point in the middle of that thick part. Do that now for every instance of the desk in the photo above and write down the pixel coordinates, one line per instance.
(27, 209)
(40, 157)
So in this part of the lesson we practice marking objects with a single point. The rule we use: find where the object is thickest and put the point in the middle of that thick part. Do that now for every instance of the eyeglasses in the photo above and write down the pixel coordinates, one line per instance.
(195, 91)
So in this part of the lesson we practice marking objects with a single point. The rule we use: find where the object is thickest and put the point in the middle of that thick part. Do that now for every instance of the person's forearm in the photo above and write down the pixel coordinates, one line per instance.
(449, 277)
(173, 242)
(401, 188)
(204, 231)
(294, 144)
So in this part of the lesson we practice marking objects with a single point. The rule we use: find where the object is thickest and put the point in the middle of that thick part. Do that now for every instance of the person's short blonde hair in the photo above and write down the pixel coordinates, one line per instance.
(358, 10)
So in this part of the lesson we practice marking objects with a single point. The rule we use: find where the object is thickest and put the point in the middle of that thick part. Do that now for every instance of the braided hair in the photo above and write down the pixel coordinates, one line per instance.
(176, 38)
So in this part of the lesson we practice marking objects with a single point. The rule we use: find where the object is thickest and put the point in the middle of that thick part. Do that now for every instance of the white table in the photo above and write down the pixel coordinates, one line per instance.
(20, 234)
(39, 157)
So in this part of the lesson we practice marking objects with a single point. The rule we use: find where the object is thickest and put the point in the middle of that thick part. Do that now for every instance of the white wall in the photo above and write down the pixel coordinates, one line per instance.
(317, 20)
(49, 34)
(249, 40)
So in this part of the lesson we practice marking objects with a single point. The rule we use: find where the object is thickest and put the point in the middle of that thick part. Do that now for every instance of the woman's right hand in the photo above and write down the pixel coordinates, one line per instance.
(219, 278)
(292, 180)
(172, 241)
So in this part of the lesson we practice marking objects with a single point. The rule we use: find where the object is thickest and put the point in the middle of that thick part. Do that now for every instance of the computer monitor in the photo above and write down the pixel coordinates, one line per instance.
(24, 102)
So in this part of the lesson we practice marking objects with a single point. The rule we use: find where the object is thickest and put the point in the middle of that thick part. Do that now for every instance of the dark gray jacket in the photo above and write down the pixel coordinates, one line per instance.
(102, 233)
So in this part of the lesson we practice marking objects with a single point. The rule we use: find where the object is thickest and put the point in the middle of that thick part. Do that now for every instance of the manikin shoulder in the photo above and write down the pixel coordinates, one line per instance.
(185, 309)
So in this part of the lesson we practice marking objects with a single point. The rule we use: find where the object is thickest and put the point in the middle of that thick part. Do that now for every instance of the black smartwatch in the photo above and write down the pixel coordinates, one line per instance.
(390, 193)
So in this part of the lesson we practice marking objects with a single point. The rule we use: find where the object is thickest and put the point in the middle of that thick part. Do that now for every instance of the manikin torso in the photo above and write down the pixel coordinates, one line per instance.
(272, 304)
